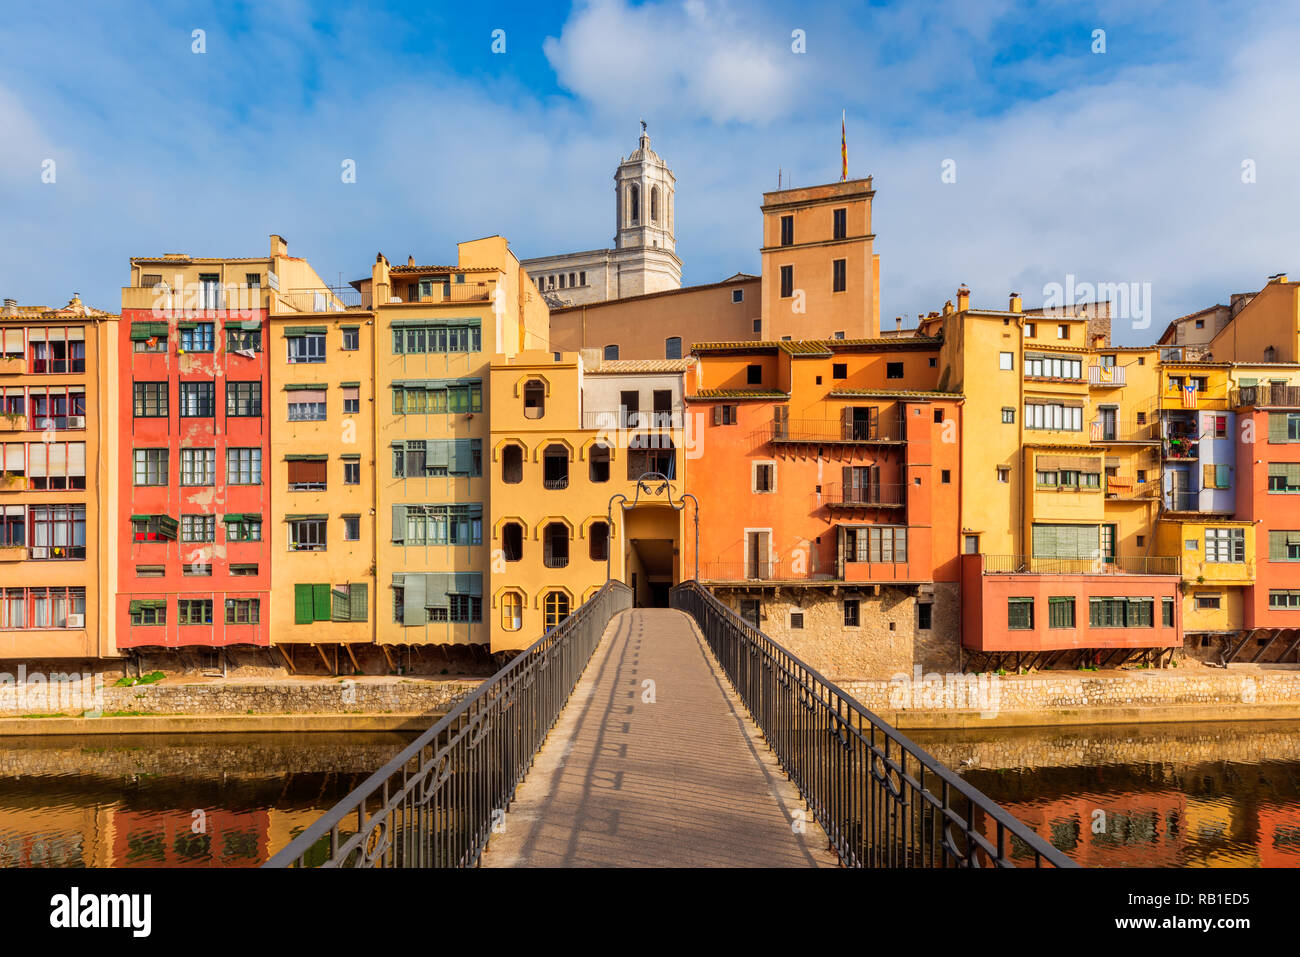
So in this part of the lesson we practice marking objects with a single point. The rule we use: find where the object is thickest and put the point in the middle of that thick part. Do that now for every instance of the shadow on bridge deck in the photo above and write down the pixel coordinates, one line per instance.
(683, 780)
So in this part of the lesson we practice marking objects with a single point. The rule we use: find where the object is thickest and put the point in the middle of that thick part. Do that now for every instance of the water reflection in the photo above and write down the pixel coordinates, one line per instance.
(1177, 795)
(172, 800)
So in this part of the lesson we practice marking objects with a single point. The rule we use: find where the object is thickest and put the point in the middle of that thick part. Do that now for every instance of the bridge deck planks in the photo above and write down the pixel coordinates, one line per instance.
(683, 781)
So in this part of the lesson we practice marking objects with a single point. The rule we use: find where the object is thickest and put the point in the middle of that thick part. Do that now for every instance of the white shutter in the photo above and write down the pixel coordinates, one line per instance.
(77, 458)
(58, 458)
(36, 459)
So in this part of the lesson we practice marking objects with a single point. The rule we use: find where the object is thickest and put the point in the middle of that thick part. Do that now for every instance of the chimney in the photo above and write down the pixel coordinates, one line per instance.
(1279, 277)
(1015, 304)
(410, 260)
(11, 307)
(898, 322)
(963, 298)
(279, 247)
(947, 308)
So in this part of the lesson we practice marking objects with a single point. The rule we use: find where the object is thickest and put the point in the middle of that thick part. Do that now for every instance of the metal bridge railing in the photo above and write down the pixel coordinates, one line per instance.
(883, 801)
(435, 803)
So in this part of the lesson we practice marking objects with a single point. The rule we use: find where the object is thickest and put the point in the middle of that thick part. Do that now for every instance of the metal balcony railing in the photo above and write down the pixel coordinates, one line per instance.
(882, 801)
(556, 483)
(1117, 565)
(621, 418)
(435, 803)
(1124, 430)
(833, 431)
(324, 299)
(889, 495)
(1106, 377)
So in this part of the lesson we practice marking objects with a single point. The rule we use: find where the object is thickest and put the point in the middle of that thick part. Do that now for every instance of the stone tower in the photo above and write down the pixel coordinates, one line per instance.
(644, 189)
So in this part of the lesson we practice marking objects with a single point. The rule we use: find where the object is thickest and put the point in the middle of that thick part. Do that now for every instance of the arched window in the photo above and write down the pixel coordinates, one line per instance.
(512, 541)
(654, 204)
(555, 545)
(555, 467)
(534, 399)
(512, 611)
(598, 541)
(512, 465)
(1270, 354)
(598, 463)
(634, 204)
(611, 352)
(557, 608)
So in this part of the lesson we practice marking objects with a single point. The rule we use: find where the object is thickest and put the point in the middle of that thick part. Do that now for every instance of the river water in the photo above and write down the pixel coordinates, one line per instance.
(1224, 794)
(1176, 795)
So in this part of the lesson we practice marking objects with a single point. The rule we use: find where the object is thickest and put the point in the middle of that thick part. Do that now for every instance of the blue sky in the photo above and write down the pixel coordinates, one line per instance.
(1122, 166)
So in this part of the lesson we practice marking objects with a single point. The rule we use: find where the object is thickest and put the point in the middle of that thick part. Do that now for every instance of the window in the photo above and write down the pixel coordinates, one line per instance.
(243, 611)
(1004, 474)
(49, 407)
(417, 458)
(611, 353)
(1283, 427)
(787, 230)
(651, 453)
(598, 463)
(938, 416)
(415, 338)
(1020, 614)
(307, 405)
(306, 347)
(1284, 546)
(149, 571)
(1031, 330)
(839, 223)
(308, 473)
(512, 464)
(754, 375)
(1206, 601)
(1121, 612)
(796, 620)
(1053, 367)
(512, 611)
(582, 278)
(243, 340)
(460, 524)
(196, 570)
(673, 347)
(1225, 544)
(598, 541)
(145, 337)
(852, 612)
(150, 400)
(557, 608)
(13, 525)
(1167, 612)
(1008, 416)
(351, 338)
(243, 528)
(244, 571)
(925, 615)
(555, 545)
(893, 370)
(149, 612)
(352, 472)
(351, 399)
(764, 477)
(534, 399)
(839, 275)
(198, 528)
(243, 466)
(243, 399)
(307, 535)
(726, 414)
(876, 543)
(971, 544)
(1199, 382)
(197, 337)
(194, 611)
(758, 327)
(323, 602)
(1284, 477)
(57, 532)
(150, 466)
(1284, 599)
(1220, 426)
(751, 609)
(839, 370)
(555, 467)
(351, 528)
(738, 295)
(945, 476)
(1054, 415)
(440, 397)
(787, 282)
(198, 466)
(512, 541)
(1063, 331)
(56, 350)
(153, 528)
(1006, 360)
(198, 400)
(1060, 612)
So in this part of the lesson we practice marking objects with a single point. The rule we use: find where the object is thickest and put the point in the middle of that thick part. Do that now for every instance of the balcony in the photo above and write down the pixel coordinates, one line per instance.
(757, 571)
(13, 483)
(830, 432)
(324, 299)
(12, 365)
(1123, 431)
(868, 496)
(444, 292)
(621, 418)
(13, 553)
(1126, 488)
(1106, 377)
(1121, 565)
(1265, 396)
(13, 422)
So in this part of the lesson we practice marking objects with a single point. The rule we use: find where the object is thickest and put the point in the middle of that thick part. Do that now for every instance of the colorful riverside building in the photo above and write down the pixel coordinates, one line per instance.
(194, 423)
(571, 441)
(1059, 468)
(827, 475)
(58, 435)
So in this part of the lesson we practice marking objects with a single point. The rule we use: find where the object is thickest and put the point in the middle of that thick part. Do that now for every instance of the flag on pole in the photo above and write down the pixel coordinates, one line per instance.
(844, 150)
(1189, 396)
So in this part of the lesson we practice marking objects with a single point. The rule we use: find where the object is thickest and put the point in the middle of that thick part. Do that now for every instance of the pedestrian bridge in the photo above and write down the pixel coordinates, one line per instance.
(663, 737)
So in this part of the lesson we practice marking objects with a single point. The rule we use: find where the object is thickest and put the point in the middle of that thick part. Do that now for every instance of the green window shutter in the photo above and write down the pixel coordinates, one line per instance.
(440, 454)
(1277, 546)
(320, 601)
(302, 607)
(357, 602)
(399, 523)
(136, 606)
(339, 606)
(1222, 476)
(460, 464)
(1293, 474)
(1277, 427)
(436, 588)
(414, 613)
(168, 527)
(1248, 383)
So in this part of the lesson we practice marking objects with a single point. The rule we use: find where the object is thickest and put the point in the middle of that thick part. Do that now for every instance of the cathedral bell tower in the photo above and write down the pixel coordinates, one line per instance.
(644, 187)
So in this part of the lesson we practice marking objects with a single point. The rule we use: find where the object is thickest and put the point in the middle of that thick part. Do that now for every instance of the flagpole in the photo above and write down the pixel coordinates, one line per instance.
(844, 148)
